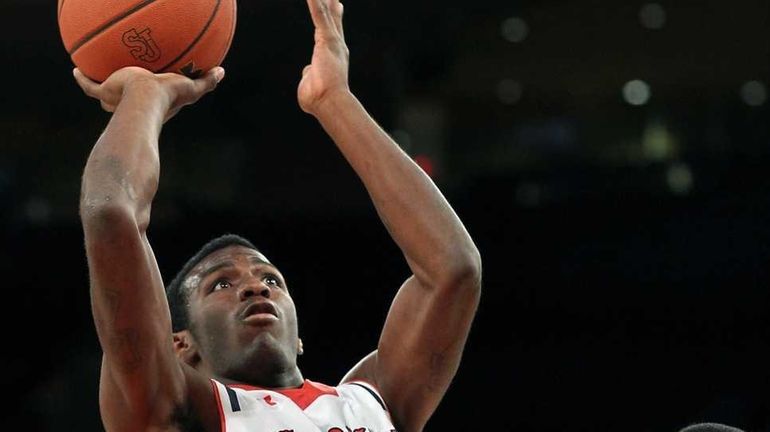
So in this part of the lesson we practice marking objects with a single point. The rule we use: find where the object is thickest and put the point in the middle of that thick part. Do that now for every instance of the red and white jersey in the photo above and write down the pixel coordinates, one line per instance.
(350, 407)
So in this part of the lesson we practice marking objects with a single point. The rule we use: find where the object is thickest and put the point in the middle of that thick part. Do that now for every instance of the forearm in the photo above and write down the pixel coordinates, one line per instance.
(123, 169)
(415, 213)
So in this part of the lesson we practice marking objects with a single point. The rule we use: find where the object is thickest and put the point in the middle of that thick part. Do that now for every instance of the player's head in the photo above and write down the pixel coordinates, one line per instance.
(710, 427)
(232, 313)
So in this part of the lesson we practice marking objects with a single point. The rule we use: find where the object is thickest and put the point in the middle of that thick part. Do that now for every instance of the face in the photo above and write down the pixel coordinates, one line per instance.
(242, 317)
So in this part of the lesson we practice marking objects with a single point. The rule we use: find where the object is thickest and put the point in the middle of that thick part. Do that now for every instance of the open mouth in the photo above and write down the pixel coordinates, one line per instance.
(261, 309)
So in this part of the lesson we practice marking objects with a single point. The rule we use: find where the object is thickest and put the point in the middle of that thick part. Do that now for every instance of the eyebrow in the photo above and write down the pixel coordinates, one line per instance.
(229, 263)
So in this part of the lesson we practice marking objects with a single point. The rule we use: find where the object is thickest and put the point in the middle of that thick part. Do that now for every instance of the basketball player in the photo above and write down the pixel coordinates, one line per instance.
(225, 359)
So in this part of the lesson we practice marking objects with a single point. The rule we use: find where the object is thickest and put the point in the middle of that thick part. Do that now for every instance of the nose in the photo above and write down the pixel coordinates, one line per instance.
(254, 288)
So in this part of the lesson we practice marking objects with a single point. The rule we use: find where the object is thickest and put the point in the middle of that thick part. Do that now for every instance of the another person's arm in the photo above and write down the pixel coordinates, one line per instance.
(426, 329)
(142, 383)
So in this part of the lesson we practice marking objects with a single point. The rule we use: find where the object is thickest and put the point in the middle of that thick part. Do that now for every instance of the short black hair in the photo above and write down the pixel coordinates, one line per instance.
(176, 294)
(710, 427)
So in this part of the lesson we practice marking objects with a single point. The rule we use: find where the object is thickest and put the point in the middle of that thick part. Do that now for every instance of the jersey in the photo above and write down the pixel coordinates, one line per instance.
(314, 407)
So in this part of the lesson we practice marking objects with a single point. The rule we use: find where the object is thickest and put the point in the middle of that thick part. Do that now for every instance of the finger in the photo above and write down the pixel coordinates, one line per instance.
(89, 87)
(306, 70)
(208, 82)
(107, 107)
(339, 10)
(171, 114)
(319, 12)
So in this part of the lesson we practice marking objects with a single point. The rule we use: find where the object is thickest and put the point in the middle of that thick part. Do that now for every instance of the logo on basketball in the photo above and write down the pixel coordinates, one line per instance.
(142, 46)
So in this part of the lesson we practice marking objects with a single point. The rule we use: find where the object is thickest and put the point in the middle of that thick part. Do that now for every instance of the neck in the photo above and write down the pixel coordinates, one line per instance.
(288, 378)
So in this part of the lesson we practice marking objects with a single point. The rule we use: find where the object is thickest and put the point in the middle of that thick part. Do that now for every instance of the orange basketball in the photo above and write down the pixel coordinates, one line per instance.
(184, 36)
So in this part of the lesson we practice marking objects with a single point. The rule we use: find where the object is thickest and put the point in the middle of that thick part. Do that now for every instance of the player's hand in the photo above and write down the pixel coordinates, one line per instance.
(175, 90)
(327, 73)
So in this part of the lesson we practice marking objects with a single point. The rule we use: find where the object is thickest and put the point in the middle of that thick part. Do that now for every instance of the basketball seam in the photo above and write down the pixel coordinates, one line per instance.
(195, 41)
(85, 39)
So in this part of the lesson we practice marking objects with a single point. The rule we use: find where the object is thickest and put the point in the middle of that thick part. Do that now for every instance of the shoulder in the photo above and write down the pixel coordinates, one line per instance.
(365, 390)
(201, 410)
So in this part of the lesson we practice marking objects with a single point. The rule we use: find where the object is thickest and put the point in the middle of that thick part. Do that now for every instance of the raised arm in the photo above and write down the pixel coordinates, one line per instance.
(422, 342)
(142, 384)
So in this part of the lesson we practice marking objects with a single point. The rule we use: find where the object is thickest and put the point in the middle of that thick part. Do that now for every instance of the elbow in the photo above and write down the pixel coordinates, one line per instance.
(463, 272)
(101, 217)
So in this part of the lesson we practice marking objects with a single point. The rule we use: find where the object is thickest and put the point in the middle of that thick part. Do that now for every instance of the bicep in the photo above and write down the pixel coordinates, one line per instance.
(421, 346)
(133, 323)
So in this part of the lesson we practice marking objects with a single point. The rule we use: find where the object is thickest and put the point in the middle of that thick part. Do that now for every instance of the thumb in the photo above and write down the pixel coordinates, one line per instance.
(89, 87)
(209, 81)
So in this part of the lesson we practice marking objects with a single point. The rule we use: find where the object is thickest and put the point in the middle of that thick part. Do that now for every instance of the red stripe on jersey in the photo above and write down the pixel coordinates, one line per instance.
(303, 396)
(222, 424)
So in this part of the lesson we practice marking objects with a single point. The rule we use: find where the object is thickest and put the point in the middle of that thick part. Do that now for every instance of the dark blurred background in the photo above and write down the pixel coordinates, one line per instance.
(609, 158)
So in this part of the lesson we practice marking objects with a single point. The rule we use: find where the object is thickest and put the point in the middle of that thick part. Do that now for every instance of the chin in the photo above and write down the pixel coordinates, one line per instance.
(266, 348)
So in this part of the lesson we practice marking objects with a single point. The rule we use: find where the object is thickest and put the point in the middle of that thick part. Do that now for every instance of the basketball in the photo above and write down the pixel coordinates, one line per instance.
(183, 36)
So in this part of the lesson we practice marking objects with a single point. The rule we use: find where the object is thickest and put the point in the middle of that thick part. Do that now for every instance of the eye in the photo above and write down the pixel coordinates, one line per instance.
(271, 279)
(221, 284)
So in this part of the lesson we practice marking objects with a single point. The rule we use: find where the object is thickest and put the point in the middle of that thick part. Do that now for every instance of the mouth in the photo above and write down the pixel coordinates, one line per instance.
(263, 311)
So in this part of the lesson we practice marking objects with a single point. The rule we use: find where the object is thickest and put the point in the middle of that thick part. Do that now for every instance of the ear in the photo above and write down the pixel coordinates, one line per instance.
(300, 348)
(185, 348)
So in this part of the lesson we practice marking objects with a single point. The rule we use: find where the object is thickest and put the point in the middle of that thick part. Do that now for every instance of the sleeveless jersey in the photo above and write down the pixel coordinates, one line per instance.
(350, 407)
